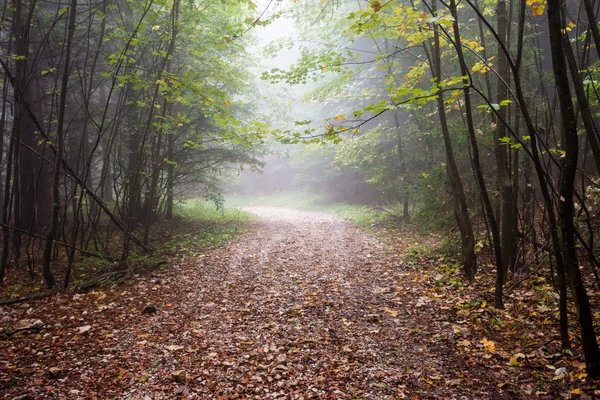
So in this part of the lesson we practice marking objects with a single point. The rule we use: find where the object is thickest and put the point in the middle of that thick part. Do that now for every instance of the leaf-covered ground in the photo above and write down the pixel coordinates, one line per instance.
(303, 305)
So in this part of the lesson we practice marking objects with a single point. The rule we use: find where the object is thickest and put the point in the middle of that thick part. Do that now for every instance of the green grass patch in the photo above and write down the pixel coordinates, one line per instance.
(361, 215)
(207, 211)
(199, 224)
(299, 200)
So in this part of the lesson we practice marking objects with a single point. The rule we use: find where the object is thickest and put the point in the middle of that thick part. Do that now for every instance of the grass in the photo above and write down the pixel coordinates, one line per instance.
(197, 226)
(361, 215)
(201, 225)
(300, 200)
(204, 210)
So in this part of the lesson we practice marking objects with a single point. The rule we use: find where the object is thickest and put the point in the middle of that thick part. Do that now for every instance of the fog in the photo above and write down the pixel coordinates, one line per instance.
(301, 166)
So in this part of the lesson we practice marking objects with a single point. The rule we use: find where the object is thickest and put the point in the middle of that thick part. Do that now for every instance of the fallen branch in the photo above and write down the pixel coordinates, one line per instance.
(512, 286)
(535, 243)
(101, 279)
(8, 335)
(391, 214)
(27, 298)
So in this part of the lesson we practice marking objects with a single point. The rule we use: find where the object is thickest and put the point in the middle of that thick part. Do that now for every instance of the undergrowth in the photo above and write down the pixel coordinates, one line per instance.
(196, 226)
(202, 225)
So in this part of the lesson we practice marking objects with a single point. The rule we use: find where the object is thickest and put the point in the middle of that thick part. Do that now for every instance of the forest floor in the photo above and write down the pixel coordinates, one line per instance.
(302, 305)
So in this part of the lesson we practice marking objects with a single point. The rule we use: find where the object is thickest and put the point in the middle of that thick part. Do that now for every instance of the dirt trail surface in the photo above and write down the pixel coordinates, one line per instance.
(303, 305)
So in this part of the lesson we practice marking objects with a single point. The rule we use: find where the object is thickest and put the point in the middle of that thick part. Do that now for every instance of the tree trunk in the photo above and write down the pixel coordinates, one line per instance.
(476, 162)
(582, 101)
(165, 109)
(593, 21)
(538, 167)
(461, 212)
(566, 191)
(50, 282)
(170, 175)
(504, 183)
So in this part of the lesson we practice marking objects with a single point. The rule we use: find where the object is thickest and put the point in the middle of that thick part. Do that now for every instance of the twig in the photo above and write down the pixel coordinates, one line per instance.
(87, 253)
(101, 279)
(391, 214)
(30, 328)
(27, 298)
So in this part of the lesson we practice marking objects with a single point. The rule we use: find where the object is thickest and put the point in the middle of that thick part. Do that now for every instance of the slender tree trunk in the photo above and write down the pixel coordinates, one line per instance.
(582, 101)
(48, 277)
(461, 211)
(6, 203)
(165, 109)
(593, 21)
(476, 162)
(566, 191)
(538, 167)
(84, 155)
(488, 82)
(402, 169)
(504, 183)
(400, 151)
(515, 191)
(170, 174)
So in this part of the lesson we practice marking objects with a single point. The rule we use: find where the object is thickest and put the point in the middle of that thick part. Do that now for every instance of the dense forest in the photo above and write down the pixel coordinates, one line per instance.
(477, 120)
(110, 110)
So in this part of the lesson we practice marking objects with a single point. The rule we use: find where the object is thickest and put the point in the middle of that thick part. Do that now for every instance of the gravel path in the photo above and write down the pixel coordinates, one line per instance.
(303, 305)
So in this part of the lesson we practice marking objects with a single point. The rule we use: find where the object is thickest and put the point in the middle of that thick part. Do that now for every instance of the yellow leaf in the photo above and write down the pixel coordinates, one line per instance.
(569, 27)
(339, 117)
(488, 345)
(424, 175)
(537, 10)
(393, 313)
(577, 391)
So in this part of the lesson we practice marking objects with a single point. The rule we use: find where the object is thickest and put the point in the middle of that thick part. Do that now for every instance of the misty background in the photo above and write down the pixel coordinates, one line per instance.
(307, 109)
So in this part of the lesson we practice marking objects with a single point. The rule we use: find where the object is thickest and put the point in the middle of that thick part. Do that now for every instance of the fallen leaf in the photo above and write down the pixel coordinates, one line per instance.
(488, 345)
(84, 329)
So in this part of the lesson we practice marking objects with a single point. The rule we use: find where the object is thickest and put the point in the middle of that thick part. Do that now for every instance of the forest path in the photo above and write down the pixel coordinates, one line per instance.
(302, 305)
